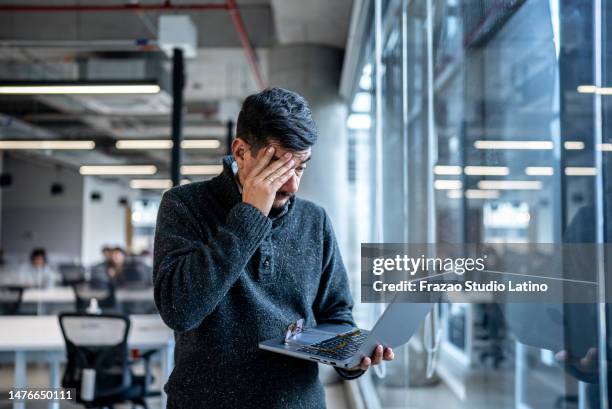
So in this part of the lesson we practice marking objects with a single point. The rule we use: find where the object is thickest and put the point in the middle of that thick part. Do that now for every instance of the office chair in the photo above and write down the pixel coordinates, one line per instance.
(10, 300)
(99, 343)
(103, 291)
(71, 273)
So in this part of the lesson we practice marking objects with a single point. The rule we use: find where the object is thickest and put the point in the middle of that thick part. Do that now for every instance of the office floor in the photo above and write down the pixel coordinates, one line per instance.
(483, 390)
(37, 376)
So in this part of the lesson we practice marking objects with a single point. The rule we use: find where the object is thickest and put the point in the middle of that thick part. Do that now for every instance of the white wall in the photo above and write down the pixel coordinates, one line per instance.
(103, 220)
(32, 217)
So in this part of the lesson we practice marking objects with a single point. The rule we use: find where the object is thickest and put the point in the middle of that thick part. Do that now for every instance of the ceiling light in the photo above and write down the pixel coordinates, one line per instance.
(359, 122)
(513, 145)
(580, 171)
(362, 102)
(573, 145)
(72, 87)
(47, 145)
(154, 183)
(454, 194)
(510, 185)
(473, 194)
(118, 170)
(539, 171)
(144, 144)
(150, 183)
(482, 194)
(446, 170)
(444, 184)
(586, 89)
(592, 89)
(166, 144)
(487, 170)
(200, 144)
(201, 169)
(605, 147)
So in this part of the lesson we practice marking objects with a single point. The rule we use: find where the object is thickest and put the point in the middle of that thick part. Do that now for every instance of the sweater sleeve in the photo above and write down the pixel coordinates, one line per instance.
(334, 303)
(192, 272)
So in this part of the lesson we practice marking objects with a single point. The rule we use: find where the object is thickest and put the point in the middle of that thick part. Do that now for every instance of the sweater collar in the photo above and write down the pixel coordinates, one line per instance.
(226, 189)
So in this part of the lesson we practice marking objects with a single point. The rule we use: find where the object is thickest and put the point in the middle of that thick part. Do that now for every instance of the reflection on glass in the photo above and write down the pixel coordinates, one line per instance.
(503, 134)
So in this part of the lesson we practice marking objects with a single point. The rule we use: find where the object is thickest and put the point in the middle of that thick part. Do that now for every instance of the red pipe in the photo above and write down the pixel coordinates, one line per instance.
(166, 6)
(246, 43)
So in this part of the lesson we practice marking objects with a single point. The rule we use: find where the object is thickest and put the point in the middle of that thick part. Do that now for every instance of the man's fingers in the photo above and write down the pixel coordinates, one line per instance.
(365, 363)
(388, 355)
(589, 359)
(378, 355)
(263, 158)
(277, 168)
(285, 170)
(561, 356)
(282, 179)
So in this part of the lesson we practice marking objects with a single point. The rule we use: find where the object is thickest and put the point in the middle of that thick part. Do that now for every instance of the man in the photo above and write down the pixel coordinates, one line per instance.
(112, 268)
(239, 258)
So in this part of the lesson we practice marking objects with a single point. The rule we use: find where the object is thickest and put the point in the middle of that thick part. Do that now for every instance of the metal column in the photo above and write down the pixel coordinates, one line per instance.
(229, 137)
(178, 84)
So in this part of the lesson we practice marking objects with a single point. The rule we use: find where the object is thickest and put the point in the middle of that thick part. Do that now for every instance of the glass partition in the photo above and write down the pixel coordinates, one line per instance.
(493, 128)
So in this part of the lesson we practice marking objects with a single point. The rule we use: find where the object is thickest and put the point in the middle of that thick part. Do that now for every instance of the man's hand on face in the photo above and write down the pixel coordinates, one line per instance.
(380, 354)
(267, 177)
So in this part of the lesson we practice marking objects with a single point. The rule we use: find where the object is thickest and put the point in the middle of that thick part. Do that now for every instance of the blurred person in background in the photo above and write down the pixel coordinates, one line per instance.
(111, 269)
(107, 254)
(38, 273)
(122, 270)
(117, 264)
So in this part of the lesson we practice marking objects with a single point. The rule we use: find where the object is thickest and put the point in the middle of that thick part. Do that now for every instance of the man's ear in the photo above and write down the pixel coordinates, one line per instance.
(239, 150)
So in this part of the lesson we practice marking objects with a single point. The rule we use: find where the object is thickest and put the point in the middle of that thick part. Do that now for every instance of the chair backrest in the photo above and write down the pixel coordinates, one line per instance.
(97, 342)
(71, 273)
(103, 291)
(10, 299)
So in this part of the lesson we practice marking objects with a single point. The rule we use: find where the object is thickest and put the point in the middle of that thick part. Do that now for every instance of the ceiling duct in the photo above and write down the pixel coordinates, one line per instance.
(130, 67)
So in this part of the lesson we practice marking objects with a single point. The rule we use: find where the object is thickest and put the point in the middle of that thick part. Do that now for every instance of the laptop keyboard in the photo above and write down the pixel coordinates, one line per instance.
(339, 347)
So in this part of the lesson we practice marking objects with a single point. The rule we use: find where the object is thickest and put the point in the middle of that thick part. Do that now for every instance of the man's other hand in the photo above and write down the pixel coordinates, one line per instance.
(589, 363)
(380, 354)
(262, 183)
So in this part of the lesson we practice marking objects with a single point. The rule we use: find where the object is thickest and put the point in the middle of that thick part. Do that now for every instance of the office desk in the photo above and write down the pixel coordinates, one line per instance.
(65, 295)
(43, 301)
(29, 334)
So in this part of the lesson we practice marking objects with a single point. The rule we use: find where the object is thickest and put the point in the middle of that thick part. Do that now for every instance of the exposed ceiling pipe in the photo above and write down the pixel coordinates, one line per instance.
(246, 43)
(141, 44)
(166, 6)
(230, 5)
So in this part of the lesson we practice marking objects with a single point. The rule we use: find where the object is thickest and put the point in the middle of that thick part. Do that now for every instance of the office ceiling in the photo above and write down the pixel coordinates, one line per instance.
(101, 45)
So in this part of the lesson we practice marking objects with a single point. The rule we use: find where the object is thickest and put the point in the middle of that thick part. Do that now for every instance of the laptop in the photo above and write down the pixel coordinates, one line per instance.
(344, 346)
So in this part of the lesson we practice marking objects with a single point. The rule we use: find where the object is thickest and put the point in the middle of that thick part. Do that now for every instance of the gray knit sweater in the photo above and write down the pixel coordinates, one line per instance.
(227, 277)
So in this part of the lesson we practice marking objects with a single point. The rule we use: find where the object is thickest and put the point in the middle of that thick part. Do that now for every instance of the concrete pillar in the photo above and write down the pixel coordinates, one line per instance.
(314, 72)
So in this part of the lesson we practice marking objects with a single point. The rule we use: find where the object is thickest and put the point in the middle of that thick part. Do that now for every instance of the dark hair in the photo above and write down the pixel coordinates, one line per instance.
(279, 115)
(38, 252)
(119, 249)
